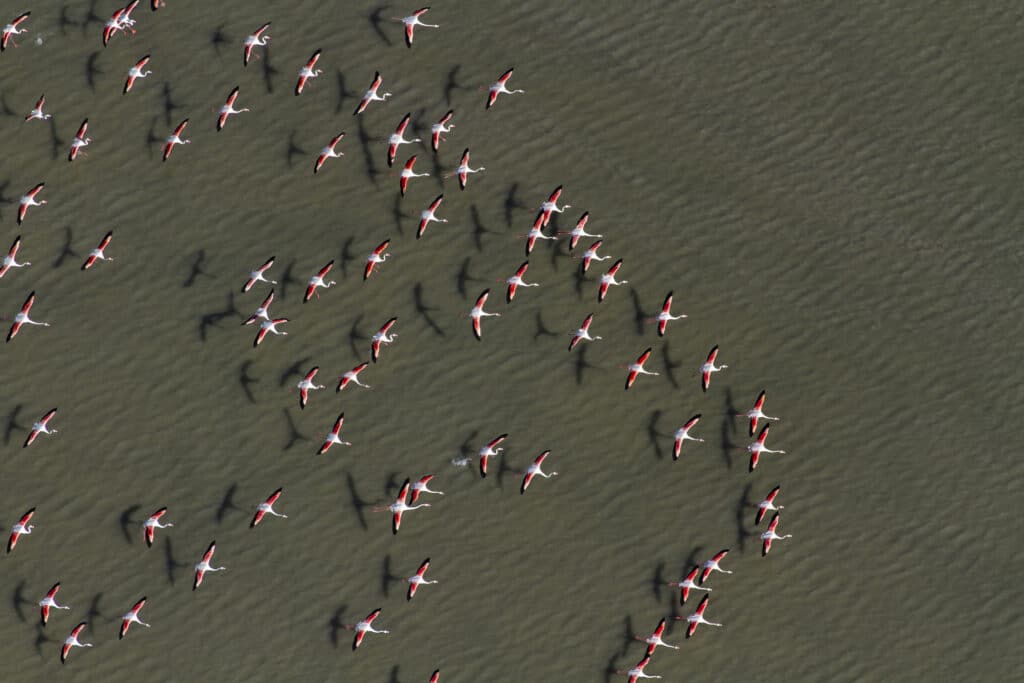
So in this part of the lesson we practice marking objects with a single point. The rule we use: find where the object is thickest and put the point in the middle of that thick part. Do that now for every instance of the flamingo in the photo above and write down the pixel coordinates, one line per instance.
(157, 4)
(263, 312)
(306, 384)
(318, 281)
(153, 523)
(499, 87)
(399, 507)
(41, 426)
(654, 640)
(307, 72)
(80, 141)
(175, 139)
(516, 281)
(126, 21)
(768, 536)
(29, 199)
(535, 470)
(268, 326)
(757, 447)
(438, 129)
(636, 369)
(258, 275)
(579, 231)
(709, 367)
(371, 94)
(491, 449)
(49, 602)
(429, 215)
(135, 73)
(253, 41)
(382, 337)
(688, 584)
(435, 677)
(463, 170)
(378, 255)
(412, 21)
(397, 139)
(408, 173)
(97, 253)
(267, 508)
(72, 641)
(478, 313)
(204, 565)
(767, 504)
(637, 672)
(229, 109)
(755, 414)
(21, 528)
(417, 579)
(11, 260)
(697, 618)
(683, 434)
(132, 617)
(608, 279)
(536, 232)
(11, 29)
(582, 333)
(329, 152)
(37, 111)
(352, 377)
(551, 205)
(364, 627)
(22, 317)
(112, 26)
(591, 255)
(420, 487)
(665, 317)
(713, 565)
(332, 436)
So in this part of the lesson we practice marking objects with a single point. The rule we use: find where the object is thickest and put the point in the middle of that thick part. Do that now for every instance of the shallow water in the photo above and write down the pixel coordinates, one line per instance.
(831, 192)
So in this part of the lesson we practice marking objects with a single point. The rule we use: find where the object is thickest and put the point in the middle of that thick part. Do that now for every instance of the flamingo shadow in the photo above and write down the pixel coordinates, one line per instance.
(451, 84)
(18, 599)
(358, 504)
(198, 259)
(640, 316)
(12, 423)
(479, 230)
(335, 624)
(125, 520)
(512, 203)
(218, 38)
(424, 310)
(293, 149)
(376, 19)
(169, 105)
(294, 435)
(245, 380)
(66, 251)
(214, 318)
(654, 436)
(227, 503)
(386, 577)
(92, 71)
(293, 370)
(364, 145)
(170, 564)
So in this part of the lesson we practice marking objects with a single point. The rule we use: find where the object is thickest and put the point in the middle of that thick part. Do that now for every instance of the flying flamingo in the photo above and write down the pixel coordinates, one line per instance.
(204, 566)
(399, 507)
(654, 640)
(267, 508)
(263, 312)
(408, 173)
(132, 617)
(364, 627)
(229, 109)
(126, 21)
(22, 317)
(37, 111)
(591, 255)
(551, 205)
(688, 584)
(438, 129)
(420, 487)
(97, 253)
(709, 367)
(416, 579)
(412, 21)
(637, 672)
(307, 72)
(22, 527)
(382, 337)
(463, 170)
(768, 536)
(536, 232)
(435, 677)
(175, 139)
(306, 384)
(757, 447)
(10, 260)
(683, 434)
(697, 618)
(516, 281)
(608, 279)
(258, 275)
(11, 29)
(397, 139)
(135, 73)
(755, 414)
(157, 4)
(491, 449)
(713, 565)
(49, 602)
(29, 199)
(499, 87)
(329, 152)
(318, 281)
(478, 312)
(665, 317)
(41, 426)
(636, 369)
(578, 231)
(255, 40)
(535, 470)
(268, 326)
(80, 141)
(112, 26)
(371, 94)
(378, 255)
(72, 641)
(428, 215)
(332, 436)
(153, 523)
(767, 504)
(582, 333)
(352, 377)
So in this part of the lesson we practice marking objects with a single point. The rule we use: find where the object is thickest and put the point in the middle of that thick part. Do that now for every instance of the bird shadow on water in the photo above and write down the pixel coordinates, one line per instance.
(376, 19)
(542, 329)
(398, 215)
(66, 251)
(386, 577)
(742, 506)
(364, 145)
(479, 229)
(670, 366)
(41, 638)
(293, 149)
(295, 369)
(512, 203)
(170, 106)
(654, 435)
(214, 318)
(198, 259)
(4, 199)
(227, 503)
(294, 435)
(4, 107)
(727, 444)
(393, 678)
(245, 380)
(269, 72)
(18, 599)
(91, 18)
(287, 278)
(92, 71)
(346, 257)
(152, 138)
(658, 581)
(463, 277)
(125, 520)
(424, 310)
(581, 364)
(63, 22)
(94, 612)
(57, 144)
(358, 504)
(12, 423)
(343, 92)
(355, 336)
(336, 624)
(170, 564)
(451, 84)
(640, 316)
(218, 39)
